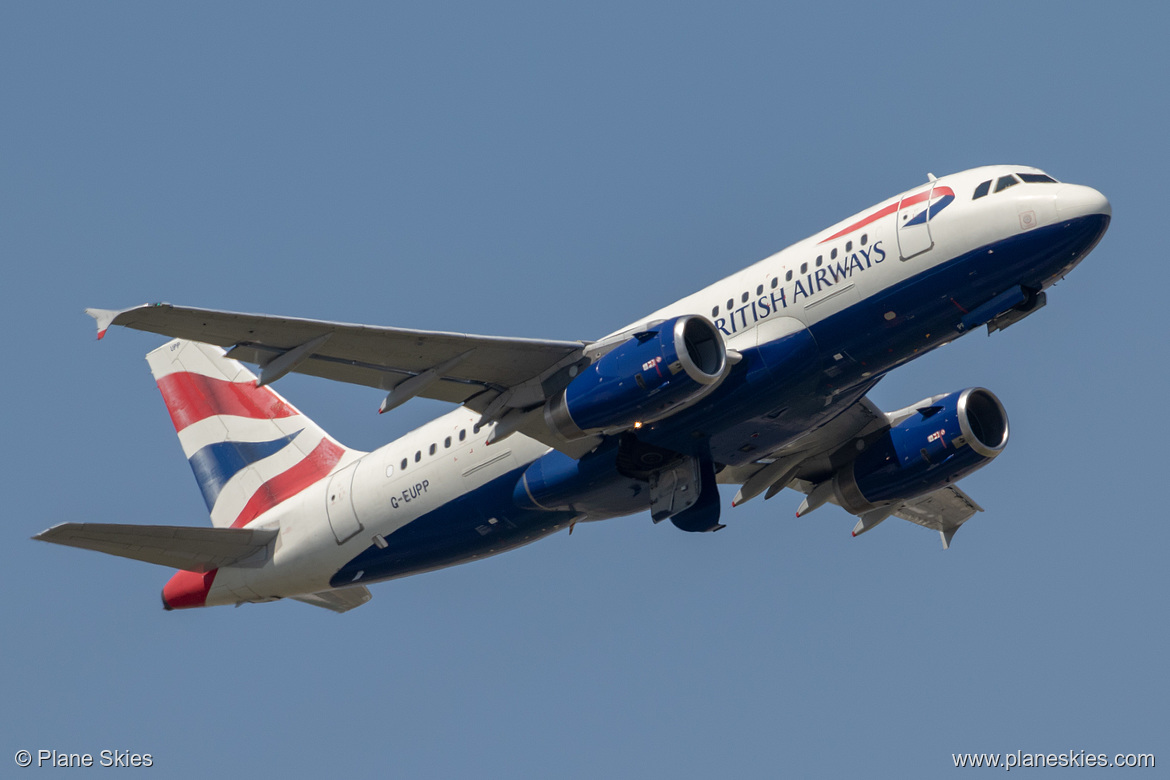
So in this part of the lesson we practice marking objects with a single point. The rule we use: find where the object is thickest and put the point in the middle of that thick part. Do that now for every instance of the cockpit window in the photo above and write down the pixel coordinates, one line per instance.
(1010, 181)
(1036, 178)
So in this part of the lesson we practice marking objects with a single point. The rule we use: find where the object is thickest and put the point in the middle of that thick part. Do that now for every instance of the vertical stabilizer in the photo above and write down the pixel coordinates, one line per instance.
(249, 448)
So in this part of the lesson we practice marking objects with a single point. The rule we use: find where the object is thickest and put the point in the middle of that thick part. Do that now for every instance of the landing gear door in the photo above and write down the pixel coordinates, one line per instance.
(674, 489)
(339, 504)
(914, 236)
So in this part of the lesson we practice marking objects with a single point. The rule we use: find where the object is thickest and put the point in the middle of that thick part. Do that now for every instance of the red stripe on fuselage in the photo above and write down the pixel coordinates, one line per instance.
(194, 397)
(890, 209)
(287, 484)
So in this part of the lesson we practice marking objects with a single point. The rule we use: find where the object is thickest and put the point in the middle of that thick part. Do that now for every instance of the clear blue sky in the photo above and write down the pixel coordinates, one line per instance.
(556, 170)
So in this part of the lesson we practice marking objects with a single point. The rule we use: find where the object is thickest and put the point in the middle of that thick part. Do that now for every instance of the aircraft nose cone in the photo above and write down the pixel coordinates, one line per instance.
(1075, 200)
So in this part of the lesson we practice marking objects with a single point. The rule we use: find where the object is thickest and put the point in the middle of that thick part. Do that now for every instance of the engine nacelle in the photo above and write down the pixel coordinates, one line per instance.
(933, 447)
(592, 484)
(653, 375)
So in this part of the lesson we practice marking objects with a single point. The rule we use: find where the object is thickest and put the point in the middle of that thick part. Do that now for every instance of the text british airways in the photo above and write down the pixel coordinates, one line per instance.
(804, 287)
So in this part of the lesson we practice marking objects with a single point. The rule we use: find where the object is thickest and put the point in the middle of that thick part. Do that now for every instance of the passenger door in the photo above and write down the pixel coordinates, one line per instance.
(339, 504)
(914, 236)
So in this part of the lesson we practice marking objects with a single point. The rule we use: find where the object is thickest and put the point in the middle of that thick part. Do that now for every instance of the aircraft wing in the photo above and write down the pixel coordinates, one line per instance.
(492, 375)
(813, 458)
(810, 457)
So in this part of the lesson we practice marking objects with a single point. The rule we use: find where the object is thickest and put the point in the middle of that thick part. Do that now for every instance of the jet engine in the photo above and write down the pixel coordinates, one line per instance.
(939, 443)
(652, 375)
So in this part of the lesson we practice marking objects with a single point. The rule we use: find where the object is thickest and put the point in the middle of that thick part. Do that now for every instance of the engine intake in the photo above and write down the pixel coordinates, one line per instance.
(652, 375)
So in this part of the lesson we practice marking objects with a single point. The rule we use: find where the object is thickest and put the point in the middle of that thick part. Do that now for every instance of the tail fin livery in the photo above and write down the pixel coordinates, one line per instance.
(249, 448)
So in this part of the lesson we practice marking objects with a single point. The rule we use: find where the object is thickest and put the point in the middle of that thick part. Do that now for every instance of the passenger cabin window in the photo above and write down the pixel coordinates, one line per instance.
(833, 255)
(1005, 182)
(730, 304)
(864, 238)
(804, 268)
(743, 298)
(403, 464)
(418, 456)
(462, 434)
(433, 448)
(788, 276)
(982, 190)
(760, 290)
(848, 246)
(775, 281)
(1036, 178)
(447, 443)
(715, 312)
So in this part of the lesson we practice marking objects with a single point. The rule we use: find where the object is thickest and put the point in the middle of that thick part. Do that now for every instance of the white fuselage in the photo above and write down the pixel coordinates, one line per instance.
(810, 282)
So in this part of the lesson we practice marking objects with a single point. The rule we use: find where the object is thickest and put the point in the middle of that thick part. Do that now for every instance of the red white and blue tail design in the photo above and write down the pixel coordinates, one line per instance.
(249, 448)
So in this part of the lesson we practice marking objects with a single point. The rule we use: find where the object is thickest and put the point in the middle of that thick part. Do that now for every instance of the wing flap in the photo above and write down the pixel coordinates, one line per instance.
(180, 547)
(811, 452)
(339, 599)
(357, 372)
(944, 511)
(945, 508)
(369, 355)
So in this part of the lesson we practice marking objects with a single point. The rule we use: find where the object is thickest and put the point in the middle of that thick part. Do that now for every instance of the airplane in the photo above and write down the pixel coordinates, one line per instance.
(757, 381)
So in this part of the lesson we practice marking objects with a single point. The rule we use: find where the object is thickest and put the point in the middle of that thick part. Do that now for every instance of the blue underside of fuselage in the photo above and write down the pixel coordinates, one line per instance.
(751, 419)
(928, 308)
(744, 418)
(477, 524)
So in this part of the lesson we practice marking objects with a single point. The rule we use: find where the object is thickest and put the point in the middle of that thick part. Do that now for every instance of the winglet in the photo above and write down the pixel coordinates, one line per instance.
(947, 535)
(105, 318)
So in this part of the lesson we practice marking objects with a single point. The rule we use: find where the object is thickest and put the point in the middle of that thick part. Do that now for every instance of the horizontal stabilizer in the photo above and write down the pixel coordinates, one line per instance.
(180, 547)
(339, 599)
